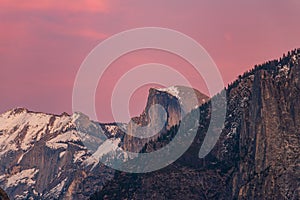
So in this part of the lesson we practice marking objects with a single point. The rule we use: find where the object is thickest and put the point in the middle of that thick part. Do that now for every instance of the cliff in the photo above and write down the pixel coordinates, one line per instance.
(174, 103)
(256, 156)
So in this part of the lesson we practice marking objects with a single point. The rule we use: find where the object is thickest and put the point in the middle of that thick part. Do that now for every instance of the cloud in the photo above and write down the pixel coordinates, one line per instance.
(74, 18)
(68, 5)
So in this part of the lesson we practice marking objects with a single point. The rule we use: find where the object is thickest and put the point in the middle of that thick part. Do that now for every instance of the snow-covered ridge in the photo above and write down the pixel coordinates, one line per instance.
(173, 90)
(62, 140)
(48, 139)
(25, 177)
(189, 98)
(20, 128)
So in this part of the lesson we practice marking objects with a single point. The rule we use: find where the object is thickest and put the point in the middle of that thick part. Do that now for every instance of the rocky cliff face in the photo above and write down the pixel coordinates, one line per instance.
(256, 157)
(270, 136)
(175, 103)
(142, 124)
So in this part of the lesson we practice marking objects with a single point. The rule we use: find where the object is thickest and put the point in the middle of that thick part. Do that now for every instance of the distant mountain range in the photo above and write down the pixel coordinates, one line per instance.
(46, 156)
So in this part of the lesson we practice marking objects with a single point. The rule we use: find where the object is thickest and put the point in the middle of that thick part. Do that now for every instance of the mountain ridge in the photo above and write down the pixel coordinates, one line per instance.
(256, 156)
(233, 163)
(30, 141)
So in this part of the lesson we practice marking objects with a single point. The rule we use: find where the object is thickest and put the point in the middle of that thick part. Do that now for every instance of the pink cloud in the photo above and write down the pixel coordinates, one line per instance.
(66, 5)
(91, 34)
(43, 42)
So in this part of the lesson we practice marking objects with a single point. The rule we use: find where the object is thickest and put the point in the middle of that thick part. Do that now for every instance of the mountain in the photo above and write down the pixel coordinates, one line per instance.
(176, 102)
(42, 156)
(256, 156)
(45, 156)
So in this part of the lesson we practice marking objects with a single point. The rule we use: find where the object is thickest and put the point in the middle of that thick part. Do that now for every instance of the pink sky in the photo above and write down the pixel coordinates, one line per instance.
(43, 43)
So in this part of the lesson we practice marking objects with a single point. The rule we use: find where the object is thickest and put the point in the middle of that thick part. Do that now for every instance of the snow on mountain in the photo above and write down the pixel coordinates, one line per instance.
(25, 176)
(188, 98)
(62, 140)
(45, 156)
(173, 90)
(108, 146)
(14, 124)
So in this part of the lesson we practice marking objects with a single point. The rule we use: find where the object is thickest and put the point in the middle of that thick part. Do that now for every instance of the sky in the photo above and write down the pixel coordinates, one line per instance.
(43, 44)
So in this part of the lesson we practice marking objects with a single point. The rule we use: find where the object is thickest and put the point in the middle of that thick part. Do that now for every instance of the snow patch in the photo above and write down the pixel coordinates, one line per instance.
(20, 159)
(283, 72)
(112, 129)
(32, 126)
(78, 156)
(61, 122)
(2, 177)
(56, 145)
(108, 146)
(173, 90)
(25, 177)
(62, 140)
(61, 154)
(36, 124)
(285, 69)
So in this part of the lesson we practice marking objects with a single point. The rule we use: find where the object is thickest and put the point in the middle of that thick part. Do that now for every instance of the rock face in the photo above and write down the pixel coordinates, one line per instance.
(142, 124)
(175, 102)
(257, 155)
(270, 136)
